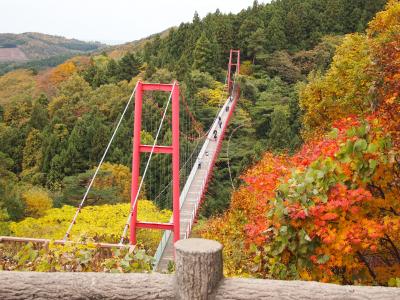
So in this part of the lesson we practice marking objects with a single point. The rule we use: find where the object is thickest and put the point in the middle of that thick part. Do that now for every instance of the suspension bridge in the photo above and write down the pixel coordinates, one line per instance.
(171, 145)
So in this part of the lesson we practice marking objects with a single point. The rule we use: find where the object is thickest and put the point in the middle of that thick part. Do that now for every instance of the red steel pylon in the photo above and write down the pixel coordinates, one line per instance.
(170, 149)
(230, 65)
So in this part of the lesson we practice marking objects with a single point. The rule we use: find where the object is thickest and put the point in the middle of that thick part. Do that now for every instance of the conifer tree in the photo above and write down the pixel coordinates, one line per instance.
(205, 54)
(39, 117)
(112, 71)
(32, 153)
(129, 66)
(76, 156)
(256, 43)
(276, 38)
(248, 27)
(1, 113)
(280, 135)
(56, 173)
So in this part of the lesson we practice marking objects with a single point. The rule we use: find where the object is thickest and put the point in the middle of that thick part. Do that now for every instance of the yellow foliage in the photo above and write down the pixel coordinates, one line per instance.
(246, 68)
(17, 85)
(344, 90)
(120, 178)
(71, 93)
(212, 97)
(62, 72)
(37, 201)
(102, 223)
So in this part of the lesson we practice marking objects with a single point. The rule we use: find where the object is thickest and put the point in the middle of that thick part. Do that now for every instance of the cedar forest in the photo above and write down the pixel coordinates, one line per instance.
(314, 144)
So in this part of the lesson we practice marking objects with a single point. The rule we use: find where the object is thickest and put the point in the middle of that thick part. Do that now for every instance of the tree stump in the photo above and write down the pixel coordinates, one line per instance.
(198, 268)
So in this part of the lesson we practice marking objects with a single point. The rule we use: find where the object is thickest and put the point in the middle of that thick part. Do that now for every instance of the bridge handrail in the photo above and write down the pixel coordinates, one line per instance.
(189, 181)
(167, 233)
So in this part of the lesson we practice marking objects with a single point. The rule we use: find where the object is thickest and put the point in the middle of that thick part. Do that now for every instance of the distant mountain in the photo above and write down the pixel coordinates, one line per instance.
(35, 46)
(36, 51)
(116, 51)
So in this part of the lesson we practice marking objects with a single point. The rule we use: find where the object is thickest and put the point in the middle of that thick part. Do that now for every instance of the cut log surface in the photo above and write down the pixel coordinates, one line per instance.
(33, 285)
(198, 268)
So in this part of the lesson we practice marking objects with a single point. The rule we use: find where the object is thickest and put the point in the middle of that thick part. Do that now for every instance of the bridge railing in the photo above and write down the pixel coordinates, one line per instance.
(198, 275)
(195, 208)
(167, 233)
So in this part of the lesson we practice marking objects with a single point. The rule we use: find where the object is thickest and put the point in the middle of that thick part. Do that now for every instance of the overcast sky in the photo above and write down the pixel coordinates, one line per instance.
(108, 21)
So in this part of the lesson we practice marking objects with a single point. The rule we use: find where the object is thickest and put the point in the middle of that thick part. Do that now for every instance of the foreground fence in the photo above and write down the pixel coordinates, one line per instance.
(198, 276)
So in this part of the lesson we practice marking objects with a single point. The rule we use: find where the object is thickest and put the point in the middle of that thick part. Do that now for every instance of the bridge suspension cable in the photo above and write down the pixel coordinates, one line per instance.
(67, 234)
(133, 204)
(198, 139)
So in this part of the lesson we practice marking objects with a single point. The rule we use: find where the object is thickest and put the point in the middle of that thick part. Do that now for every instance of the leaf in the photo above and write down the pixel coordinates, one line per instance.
(372, 164)
(323, 259)
(394, 282)
(360, 145)
(320, 174)
(372, 148)
(283, 229)
(334, 133)
(329, 216)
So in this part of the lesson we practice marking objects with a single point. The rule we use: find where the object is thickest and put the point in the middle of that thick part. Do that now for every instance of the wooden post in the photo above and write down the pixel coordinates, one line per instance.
(198, 268)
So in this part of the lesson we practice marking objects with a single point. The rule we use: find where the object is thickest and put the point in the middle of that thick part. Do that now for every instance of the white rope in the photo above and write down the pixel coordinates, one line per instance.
(98, 167)
(145, 169)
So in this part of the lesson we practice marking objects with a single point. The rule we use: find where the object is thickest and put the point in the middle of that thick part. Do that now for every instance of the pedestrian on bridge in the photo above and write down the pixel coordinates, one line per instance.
(215, 134)
(220, 122)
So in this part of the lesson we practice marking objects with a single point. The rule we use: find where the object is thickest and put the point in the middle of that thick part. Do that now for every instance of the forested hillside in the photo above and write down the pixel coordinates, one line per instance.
(36, 50)
(330, 212)
(296, 63)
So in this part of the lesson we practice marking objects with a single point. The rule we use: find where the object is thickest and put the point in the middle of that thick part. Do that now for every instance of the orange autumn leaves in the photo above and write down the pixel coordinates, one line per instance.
(331, 212)
(314, 216)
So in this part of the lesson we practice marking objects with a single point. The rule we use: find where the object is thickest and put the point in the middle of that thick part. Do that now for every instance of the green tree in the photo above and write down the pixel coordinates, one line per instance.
(74, 188)
(39, 116)
(33, 157)
(275, 32)
(280, 135)
(1, 113)
(11, 205)
(129, 66)
(112, 71)
(256, 43)
(205, 55)
(75, 157)
(56, 173)
(97, 135)
(246, 35)
(182, 68)
(55, 138)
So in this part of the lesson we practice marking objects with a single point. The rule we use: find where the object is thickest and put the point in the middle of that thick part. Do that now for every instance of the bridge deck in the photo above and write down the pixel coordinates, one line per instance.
(195, 189)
